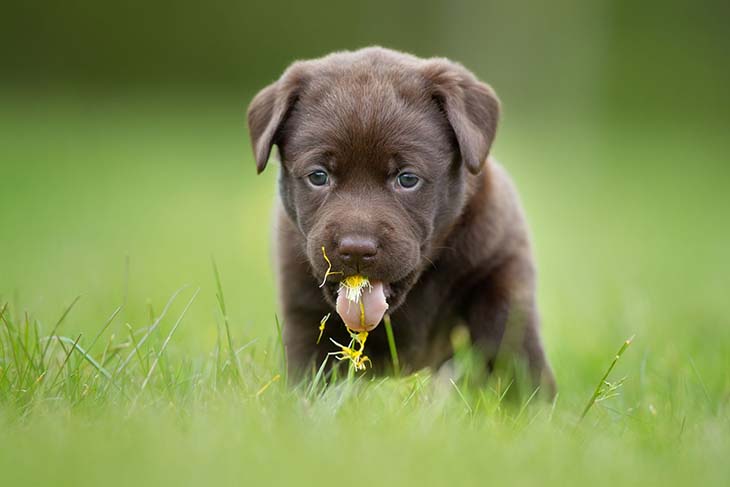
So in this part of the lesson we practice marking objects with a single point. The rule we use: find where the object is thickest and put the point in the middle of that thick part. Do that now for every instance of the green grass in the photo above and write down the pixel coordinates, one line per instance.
(166, 371)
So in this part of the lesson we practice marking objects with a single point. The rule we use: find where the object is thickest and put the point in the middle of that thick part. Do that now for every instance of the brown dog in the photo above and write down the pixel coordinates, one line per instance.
(384, 162)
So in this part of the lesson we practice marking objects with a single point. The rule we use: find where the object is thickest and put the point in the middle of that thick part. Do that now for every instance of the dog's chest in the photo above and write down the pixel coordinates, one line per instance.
(421, 326)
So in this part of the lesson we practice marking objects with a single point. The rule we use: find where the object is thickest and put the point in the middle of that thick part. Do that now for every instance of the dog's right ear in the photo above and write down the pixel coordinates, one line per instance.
(268, 112)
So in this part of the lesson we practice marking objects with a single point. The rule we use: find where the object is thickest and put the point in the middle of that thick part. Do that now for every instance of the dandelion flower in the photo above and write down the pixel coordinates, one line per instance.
(322, 322)
(329, 271)
(353, 287)
(366, 316)
(354, 355)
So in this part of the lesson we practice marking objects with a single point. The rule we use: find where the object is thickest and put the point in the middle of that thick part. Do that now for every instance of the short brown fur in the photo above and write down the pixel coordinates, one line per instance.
(454, 250)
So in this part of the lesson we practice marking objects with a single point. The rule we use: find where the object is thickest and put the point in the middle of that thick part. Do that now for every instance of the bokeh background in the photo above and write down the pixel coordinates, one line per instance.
(125, 162)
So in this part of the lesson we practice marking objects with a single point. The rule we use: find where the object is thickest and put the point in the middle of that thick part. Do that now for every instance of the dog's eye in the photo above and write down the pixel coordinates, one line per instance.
(318, 178)
(408, 180)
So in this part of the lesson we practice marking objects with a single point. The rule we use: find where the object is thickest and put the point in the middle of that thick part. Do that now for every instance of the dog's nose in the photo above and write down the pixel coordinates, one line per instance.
(357, 250)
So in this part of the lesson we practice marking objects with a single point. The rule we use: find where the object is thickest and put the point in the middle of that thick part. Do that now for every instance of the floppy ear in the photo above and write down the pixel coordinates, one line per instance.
(268, 111)
(471, 107)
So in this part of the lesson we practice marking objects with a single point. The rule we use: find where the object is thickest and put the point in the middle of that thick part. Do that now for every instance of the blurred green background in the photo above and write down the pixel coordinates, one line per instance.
(126, 165)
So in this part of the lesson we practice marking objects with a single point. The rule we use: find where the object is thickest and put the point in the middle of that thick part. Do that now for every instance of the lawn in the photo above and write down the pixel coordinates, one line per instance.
(114, 207)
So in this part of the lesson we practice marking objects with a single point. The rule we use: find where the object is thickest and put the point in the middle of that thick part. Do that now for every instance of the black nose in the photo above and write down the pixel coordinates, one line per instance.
(357, 250)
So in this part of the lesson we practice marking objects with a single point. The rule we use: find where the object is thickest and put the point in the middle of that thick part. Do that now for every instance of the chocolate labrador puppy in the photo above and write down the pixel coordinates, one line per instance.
(385, 164)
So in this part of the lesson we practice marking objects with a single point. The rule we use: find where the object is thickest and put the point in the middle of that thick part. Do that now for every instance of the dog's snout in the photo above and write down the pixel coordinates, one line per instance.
(357, 250)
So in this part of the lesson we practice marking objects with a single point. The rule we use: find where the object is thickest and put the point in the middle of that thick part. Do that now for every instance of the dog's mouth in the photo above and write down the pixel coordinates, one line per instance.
(390, 291)
(377, 298)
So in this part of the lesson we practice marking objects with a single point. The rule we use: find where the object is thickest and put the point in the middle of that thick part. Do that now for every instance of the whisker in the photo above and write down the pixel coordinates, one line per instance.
(430, 262)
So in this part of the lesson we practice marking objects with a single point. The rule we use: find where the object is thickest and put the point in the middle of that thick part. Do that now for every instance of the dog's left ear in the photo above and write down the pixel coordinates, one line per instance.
(269, 109)
(471, 107)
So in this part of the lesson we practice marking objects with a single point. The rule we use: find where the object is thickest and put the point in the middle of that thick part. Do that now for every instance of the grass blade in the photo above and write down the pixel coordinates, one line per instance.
(65, 359)
(599, 387)
(56, 326)
(317, 378)
(391, 345)
(150, 330)
(75, 346)
(106, 325)
(466, 403)
(222, 306)
(167, 341)
(283, 349)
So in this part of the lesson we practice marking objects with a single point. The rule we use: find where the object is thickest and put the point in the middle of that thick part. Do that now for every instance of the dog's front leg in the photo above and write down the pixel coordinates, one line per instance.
(503, 321)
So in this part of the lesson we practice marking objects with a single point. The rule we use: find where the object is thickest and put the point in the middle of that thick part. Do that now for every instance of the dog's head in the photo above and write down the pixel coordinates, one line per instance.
(375, 149)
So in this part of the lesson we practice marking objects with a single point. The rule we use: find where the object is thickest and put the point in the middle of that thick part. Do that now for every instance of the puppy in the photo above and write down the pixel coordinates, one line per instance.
(385, 163)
